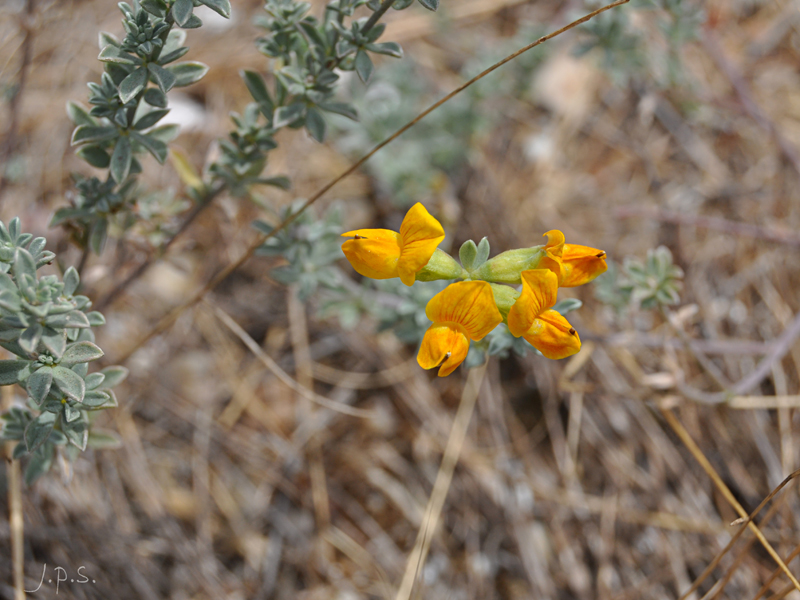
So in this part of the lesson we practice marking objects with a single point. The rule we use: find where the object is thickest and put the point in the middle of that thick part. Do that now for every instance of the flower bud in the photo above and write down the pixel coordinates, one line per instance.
(441, 266)
(507, 266)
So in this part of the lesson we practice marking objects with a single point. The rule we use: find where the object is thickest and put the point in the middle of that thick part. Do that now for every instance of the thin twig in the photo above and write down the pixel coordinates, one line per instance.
(10, 145)
(778, 349)
(442, 484)
(744, 523)
(687, 440)
(203, 204)
(170, 317)
(280, 373)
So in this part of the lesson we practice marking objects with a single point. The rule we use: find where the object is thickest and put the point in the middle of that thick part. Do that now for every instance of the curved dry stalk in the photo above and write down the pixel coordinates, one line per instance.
(171, 316)
(280, 373)
(779, 348)
(746, 520)
(442, 484)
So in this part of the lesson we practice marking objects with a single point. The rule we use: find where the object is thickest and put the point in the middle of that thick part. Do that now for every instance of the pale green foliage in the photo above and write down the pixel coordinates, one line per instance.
(628, 52)
(127, 106)
(654, 283)
(44, 323)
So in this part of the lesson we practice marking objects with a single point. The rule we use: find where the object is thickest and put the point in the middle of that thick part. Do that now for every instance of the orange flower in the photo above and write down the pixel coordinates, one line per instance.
(581, 264)
(574, 264)
(461, 312)
(383, 254)
(531, 317)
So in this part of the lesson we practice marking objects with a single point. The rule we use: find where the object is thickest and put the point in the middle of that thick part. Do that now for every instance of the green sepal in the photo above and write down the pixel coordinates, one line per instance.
(504, 297)
(441, 266)
(507, 266)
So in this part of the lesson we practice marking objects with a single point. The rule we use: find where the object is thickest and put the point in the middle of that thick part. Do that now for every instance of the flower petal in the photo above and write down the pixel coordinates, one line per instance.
(552, 335)
(420, 234)
(555, 243)
(539, 290)
(445, 346)
(373, 252)
(468, 304)
(581, 264)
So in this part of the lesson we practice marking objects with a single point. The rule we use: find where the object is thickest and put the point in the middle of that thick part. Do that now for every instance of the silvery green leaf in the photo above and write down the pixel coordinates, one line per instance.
(567, 305)
(164, 133)
(71, 281)
(82, 369)
(157, 8)
(9, 300)
(154, 146)
(78, 115)
(112, 54)
(187, 73)
(279, 182)
(55, 340)
(95, 156)
(38, 465)
(258, 90)
(57, 438)
(222, 7)
(430, 4)
(24, 265)
(132, 85)
(45, 258)
(6, 283)
(150, 119)
(93, 381)
(80, 352)
(98, 235)
(38, 430)
(363, 65)
(19, 451)
(121, 159)
(14, 348)
(467, 254)
(286, 115)
(193, 23)
(374, 33)
(106, 39)
(182, 11)
(96, 319)
(69, 382)
(96, 399)
(163, 78)
(29, 340)
(38, 384)
(340, 108)
(77, 434)
(387, 48)
(86, 134)
(172, 56)
(71, 413)
(155, 97)
(102, 439)
(315, 124)
(483, 253)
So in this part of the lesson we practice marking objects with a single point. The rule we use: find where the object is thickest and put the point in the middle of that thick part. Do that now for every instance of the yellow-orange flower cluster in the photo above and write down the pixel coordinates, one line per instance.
(469, 310)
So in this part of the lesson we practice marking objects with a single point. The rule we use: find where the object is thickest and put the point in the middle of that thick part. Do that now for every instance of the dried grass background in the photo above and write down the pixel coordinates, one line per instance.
(573, 481)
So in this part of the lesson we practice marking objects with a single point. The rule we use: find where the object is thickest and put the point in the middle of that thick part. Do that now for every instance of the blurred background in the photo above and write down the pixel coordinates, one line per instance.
(672, 123)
